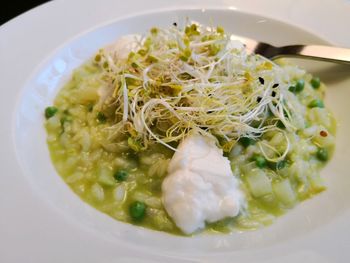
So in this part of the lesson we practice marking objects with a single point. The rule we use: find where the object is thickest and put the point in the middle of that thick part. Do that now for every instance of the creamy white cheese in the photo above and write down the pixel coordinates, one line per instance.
(200, 186)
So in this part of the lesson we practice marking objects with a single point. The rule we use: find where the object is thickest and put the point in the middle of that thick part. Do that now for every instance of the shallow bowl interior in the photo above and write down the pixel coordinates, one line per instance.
(55, 70)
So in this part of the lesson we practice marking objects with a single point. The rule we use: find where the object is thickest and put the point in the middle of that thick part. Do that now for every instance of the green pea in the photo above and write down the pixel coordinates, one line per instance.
(260, 161)
(298, 87)
(137, 210)
(101, 117)
(292, 89)
(50, 112)
(322, 154)
(245, 141)
(316, 104)
(315, 82)
(277, 165)
(121, 175)
(281, 164)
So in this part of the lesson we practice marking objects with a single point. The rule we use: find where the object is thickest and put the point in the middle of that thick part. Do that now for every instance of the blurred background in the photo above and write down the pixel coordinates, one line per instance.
(12, 8)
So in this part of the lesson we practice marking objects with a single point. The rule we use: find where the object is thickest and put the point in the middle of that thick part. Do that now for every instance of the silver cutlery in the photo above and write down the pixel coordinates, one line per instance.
(315, 52)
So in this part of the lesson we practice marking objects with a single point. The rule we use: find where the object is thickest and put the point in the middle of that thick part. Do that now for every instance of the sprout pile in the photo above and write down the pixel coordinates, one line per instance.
(176, 81)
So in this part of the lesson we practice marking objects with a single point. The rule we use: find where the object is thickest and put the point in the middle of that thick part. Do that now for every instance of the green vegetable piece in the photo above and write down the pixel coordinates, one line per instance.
(152, 59)
(315, 82)
(277, 165)
(298, 87)
(131, 55)
(213, 50)
(137, 210)
(281, 164)
(142, 52)
(50, 112)
(154, 31)
(316, 104)
(292, 89)
(280, 125)
(186, 41)
(194, 27)
(183, 58)
(220, 30)
(135, 144)
(101, 117)
(121, 175)
(105, 65)
(191, 30)
(90, 107)
(322, 154)
(148, 42)
(187, 52)
(245, 141)
(98, 58)
(260, 161)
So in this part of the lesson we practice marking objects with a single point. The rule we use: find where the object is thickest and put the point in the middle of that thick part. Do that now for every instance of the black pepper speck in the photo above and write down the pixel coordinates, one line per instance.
(261, 80)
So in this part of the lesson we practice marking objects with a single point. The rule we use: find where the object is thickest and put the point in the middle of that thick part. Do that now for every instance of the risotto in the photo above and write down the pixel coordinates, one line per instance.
(182, 130)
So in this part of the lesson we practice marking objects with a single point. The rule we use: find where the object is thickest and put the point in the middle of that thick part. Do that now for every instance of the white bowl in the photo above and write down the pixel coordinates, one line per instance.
(305, 223)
